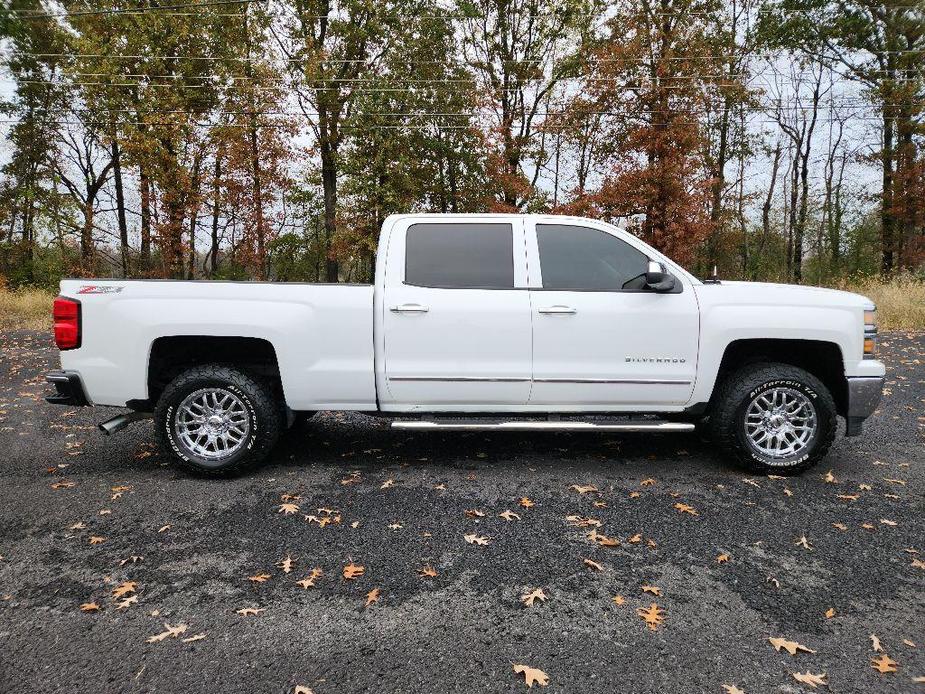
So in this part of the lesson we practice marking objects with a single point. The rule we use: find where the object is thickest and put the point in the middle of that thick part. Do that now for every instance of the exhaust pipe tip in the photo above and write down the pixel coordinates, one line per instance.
(119, 422)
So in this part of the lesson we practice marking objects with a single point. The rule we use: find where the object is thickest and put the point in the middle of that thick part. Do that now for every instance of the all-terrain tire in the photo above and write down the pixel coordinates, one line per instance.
(728, 416)
(262, 412)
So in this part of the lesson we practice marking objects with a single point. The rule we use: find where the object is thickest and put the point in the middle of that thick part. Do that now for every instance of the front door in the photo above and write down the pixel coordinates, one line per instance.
(601, 340)
(456, 317)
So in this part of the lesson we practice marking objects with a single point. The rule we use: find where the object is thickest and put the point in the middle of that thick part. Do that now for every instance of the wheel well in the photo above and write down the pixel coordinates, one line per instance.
(822, 359)
(172, 355)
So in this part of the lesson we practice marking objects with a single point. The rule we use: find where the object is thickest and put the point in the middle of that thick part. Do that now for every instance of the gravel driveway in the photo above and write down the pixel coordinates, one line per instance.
(191, 585)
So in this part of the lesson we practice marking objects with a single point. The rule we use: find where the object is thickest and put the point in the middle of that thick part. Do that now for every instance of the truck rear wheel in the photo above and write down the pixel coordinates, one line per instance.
(774, 418)
(216, 420)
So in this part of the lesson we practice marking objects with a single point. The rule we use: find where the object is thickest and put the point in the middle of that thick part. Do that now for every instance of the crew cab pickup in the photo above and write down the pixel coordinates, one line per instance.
(504, 322)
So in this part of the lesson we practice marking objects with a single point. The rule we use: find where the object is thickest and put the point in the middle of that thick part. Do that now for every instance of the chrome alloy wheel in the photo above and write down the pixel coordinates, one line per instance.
(780, 422)
(212, 423)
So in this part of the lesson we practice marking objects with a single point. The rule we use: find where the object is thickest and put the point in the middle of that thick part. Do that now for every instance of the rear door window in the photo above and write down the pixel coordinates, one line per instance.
(460, 256)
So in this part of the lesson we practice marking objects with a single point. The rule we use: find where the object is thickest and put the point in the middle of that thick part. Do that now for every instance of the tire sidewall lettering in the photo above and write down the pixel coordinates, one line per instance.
(180, 451)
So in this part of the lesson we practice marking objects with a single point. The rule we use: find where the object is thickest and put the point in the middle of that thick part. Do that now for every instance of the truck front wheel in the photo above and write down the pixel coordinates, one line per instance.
(774, 418)
(216, 420)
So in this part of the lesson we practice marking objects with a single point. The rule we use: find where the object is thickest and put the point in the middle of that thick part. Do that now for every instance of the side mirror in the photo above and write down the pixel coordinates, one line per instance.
(658, 279)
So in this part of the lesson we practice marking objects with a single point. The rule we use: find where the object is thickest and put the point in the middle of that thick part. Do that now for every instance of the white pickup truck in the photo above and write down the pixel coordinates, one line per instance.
(502, 322)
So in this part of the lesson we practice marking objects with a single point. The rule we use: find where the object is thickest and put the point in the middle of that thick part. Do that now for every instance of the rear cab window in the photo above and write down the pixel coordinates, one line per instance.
(460, 255)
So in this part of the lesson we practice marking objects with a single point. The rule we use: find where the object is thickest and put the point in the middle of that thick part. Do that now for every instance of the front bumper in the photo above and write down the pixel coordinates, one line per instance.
(69, 389)
(864, 395)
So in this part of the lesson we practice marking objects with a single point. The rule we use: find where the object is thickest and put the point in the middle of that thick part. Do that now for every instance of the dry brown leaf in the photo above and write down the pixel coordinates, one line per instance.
(803, 542)
(197, 637)
(840, 526)
(124, 588)
(474, 539)
(474, 513)
(790, 646)
(286, 564)
(829, 613)
(372, 596)
(830, 477)
(63, 484)
(89, 607)
(651, 615)
(170, 632)
(654, 590)
(810, 679)
(79, 525)
(648, 482)
(918, 563)
(259, 578)
(531, 675)
(388, 483)
(309, 582)
(352, 571)
(250, 611)
(96, 540)
(288, 509)
(603, 540)
(581, 522)
(732, 689)
(635, 539)
(127, 602)
(884, 664)
(299, 689)
(875, 644)
(583, 488)
(592, 564)
(509, 515)
(619, 600)
(529, 598)
(884, 521)
(526, 503)
(427, 572)
(722, 559)
(684, 508)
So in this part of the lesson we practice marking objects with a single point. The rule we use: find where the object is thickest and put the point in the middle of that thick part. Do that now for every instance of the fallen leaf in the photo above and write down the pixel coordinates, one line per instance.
(96, 540)
(299, 689)
(652, 615)
(884, 664)
(124, 588)
(388, 483)
(63, 484)
(127, 602)
(648, 482)
(288, 509)
(352, 571)
(593, 564)
(79, 525)
(909, 643)
(722, 559)
(803, 542)
(259, 578)
(197, 637)
(427, 572)
(875, 644)
(790, 646)
(309, 582)
(840, 526)
(474, 513)
(372, 596)
(286, 564)
(526, 503)
(884, 521)
(918, 563)
(732, 689)
(89, 607)
(848, 497)
(581, 522)
(474, 539)
(830, 477)
(829, 613)
(529, 598)
(810, 679)
(509, 515)
(583, 488)
(635, 539)
(619, 600)
(603, 540)
(250, 611)
(531, 675)
(654, 590)
(684, 508)
(163, 528)
(171, 632)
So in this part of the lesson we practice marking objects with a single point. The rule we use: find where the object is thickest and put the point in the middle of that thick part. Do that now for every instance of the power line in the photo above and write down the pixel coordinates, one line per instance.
(29, 14)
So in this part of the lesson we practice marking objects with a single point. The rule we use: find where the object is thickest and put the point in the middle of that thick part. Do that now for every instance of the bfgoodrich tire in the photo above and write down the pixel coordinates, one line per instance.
(773, 418)
(216, 420)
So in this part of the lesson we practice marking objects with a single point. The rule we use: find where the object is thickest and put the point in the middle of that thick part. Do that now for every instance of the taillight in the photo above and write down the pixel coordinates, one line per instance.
(66, 314)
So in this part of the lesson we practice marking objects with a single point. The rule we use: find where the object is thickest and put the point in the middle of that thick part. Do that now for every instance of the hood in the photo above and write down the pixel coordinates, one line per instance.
(782, 294)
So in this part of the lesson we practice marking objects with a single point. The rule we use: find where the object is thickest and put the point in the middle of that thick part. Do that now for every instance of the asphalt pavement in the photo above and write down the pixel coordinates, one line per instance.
(120, 573)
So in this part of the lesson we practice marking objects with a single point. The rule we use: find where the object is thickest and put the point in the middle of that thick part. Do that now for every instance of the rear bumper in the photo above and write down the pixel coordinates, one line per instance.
(69, 389)
(864, 395)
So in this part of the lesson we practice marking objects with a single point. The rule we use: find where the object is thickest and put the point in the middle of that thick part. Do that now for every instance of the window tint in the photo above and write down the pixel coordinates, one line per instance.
(459, 256)
(581, 258)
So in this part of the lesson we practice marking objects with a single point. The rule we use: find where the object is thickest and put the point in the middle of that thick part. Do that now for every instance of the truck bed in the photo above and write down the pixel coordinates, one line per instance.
(322, 334)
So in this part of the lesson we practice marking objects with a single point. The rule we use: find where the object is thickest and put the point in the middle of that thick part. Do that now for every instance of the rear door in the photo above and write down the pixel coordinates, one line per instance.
(601, 340)
(456, 315)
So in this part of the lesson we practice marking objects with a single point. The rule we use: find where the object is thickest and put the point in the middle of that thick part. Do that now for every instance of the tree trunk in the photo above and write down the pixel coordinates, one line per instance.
(120, 206)
(329, 185)
(216, 206)
(144, 185)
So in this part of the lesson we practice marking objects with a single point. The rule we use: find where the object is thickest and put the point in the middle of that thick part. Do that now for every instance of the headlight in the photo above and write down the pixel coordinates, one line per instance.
(870, 333)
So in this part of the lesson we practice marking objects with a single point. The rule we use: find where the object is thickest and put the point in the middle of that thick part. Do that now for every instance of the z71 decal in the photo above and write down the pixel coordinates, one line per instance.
(99, 289)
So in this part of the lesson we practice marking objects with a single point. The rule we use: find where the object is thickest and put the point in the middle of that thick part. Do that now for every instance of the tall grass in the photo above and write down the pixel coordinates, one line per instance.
(900, 304)
(900, 301)
(25, 309)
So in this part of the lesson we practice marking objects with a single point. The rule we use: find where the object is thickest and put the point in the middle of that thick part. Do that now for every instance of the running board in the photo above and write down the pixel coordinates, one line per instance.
(514, 425)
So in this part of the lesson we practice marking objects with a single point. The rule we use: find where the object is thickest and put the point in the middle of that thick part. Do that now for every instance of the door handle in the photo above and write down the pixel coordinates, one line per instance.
(554, 310)
(409, 308)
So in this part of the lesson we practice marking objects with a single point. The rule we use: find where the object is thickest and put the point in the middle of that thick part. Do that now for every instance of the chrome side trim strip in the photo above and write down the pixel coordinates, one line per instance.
(645, 381)
(505, 379)
(542, 426)
(460, 379)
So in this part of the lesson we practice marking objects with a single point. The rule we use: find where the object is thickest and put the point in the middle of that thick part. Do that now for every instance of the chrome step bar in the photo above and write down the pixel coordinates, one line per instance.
(565, 425)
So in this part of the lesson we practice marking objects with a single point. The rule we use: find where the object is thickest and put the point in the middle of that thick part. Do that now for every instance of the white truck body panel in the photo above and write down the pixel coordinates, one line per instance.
(342, 347)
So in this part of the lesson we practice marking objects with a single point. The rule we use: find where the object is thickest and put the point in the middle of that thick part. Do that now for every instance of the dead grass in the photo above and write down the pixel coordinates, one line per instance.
(25, 309)
(900, 301)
